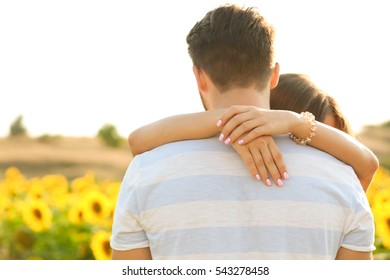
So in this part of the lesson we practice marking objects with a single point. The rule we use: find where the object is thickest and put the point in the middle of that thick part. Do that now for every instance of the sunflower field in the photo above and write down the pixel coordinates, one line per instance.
(54, 218)
(378, 195)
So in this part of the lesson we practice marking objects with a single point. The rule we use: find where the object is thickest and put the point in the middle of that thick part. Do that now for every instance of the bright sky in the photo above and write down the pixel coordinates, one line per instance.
(71, 66)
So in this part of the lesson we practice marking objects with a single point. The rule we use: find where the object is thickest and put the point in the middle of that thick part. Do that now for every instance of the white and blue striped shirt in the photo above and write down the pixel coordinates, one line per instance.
(197, 200)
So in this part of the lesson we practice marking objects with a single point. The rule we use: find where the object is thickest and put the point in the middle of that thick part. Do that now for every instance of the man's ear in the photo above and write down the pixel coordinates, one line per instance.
(203, 85)
(275, 76)
(201, 78)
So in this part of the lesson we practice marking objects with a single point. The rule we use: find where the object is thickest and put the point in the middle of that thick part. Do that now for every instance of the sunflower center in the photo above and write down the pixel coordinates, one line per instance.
(96, 207)
(107, 248)
(80, 215)
(37, 213)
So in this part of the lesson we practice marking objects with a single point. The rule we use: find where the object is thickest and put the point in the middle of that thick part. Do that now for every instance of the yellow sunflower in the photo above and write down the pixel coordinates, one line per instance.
(15, 182)
(84, 184)
(100, 245)
(110, 216)
(57, 190)
(381, 203)
(111, 189)
(96, 207)
(76, 214)
(380, 182)
(383, 228)
(381, 211)
(7, 211)
(37, 215)
(55, 183)
(60, 202)
(35, 189)
(13, 173)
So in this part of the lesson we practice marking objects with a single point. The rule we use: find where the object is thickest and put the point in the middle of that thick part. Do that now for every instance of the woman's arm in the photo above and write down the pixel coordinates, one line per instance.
(255, 122)
(345, 148)
(262, 157)
(175, 128)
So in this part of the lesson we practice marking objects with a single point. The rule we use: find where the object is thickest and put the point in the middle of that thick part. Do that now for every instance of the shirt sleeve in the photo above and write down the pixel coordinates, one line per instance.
(360, 235)
(127, 231)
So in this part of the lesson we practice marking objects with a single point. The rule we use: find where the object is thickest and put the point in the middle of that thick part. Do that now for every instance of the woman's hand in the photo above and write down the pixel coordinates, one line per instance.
(246, 123)
(252, 127)
(263, 157)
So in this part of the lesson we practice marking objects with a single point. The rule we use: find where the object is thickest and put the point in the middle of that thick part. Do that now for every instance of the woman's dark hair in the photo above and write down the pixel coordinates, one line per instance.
(296, 92)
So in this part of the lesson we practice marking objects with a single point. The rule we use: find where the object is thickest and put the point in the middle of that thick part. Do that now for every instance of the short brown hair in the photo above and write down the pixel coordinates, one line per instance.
(234, 46)
(297, 92)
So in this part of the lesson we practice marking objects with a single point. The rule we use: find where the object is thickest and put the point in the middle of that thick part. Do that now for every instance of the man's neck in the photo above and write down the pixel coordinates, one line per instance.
(248, 97)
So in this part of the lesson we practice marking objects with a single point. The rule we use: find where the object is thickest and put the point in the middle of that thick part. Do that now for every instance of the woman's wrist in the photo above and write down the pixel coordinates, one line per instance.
(304, 129)
(300, 127)
(297, 125)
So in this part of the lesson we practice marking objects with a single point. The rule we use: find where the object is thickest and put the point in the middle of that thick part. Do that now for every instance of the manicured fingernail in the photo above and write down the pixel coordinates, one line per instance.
(219, 122)
(280, 183)
(257, 177)
(285, 175)
(269, 183)
(227, 141)
(221, 137)
(241, 141)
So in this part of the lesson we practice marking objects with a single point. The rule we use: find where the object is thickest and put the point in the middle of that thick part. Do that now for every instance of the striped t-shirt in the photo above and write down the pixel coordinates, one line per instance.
(196, 200)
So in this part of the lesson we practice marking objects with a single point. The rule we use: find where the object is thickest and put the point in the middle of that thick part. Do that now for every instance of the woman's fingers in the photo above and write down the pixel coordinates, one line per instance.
(254, 122)
(240, 120)
(248, 127)
(260, 167)
(263, 160)
(278, 159)
(255, 133)
(249, 160)
(230, 113)
(240, 123)
(271, 165)
(233, 118)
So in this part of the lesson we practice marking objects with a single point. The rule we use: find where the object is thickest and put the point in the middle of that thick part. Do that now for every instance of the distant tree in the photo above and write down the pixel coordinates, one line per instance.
(386, 124)
(17, 128)
(110, 136)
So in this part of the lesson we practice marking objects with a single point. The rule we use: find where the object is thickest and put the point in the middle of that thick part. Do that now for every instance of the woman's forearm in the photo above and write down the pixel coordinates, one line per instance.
(345, 148)
(174, 128)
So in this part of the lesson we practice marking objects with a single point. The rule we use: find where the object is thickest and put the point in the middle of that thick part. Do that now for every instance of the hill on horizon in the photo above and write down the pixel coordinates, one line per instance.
(377, 138)
(70, 156)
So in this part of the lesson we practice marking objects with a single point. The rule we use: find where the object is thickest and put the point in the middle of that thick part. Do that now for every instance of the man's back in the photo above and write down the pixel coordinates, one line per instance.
(196, 200)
